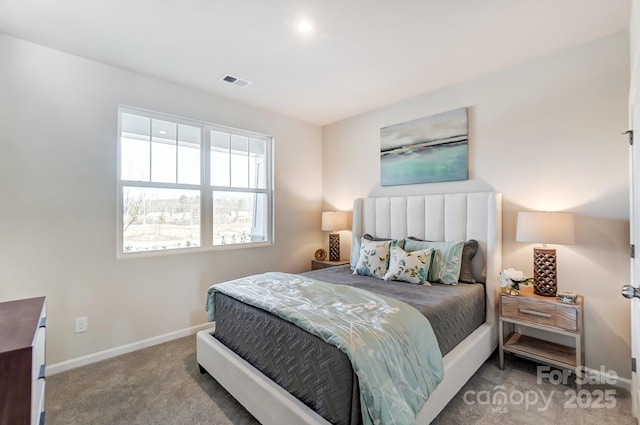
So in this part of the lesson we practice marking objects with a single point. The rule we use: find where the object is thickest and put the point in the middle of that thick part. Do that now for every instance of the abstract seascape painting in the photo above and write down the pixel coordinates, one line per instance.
(426, 150)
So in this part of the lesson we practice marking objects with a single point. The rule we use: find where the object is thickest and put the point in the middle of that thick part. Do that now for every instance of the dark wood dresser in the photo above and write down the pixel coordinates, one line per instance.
(22, 361)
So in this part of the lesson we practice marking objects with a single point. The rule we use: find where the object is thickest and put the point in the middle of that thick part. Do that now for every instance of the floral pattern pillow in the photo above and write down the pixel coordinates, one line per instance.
(373, 259)
(446, 262)
(355, 247)
(412, 267)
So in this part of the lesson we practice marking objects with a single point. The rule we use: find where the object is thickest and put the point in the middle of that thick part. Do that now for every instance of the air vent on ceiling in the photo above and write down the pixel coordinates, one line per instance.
(235, 81)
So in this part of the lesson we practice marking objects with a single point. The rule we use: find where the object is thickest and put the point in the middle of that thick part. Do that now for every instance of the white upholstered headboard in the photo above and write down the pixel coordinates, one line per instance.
(439, 217)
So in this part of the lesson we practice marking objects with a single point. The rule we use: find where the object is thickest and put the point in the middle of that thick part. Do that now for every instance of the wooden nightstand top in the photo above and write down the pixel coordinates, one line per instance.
(527, 292)
(323, 264)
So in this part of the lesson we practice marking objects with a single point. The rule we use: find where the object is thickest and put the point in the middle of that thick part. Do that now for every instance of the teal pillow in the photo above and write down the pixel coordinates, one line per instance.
(412, 267)
(446, 260)
(469, 251)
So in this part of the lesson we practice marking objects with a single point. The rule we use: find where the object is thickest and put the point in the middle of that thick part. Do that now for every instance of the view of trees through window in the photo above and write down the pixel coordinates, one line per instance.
(157, 219)
(238, 217)
(165, 193)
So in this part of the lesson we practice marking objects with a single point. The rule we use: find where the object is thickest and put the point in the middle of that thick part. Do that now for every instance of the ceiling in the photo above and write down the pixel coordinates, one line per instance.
(359, 56)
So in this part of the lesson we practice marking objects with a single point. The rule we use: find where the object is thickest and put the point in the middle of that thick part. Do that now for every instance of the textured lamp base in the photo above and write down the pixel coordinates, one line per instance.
(334, 247)
(545, 280)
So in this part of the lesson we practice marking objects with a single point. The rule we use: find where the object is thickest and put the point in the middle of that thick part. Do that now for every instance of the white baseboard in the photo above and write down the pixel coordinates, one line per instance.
(601, 377)
(123, 349)
(594, 375)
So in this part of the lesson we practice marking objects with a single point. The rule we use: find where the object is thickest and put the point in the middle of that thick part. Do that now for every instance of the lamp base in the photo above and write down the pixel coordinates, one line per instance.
(545, 282)
(334, 247)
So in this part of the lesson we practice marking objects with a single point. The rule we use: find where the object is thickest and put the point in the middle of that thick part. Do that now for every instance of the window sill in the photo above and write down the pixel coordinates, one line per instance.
(195, 250)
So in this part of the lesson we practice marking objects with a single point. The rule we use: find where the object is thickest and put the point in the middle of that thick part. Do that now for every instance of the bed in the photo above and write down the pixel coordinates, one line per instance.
(442, 217)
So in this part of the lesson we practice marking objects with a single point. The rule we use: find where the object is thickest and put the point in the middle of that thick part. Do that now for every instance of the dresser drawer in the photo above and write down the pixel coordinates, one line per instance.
(37, 402)
(540, 312)
(38, 354)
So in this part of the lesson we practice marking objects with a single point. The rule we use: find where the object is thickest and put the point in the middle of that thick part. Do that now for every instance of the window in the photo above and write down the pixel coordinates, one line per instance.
(191, 185)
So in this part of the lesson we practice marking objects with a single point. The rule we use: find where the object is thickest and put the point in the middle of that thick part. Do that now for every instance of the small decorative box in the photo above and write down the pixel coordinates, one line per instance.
(567, 297)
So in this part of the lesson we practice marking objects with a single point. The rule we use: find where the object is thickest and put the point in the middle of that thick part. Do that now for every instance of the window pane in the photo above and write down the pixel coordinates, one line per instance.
(135, 126)
(163, 151)
(220, 159)
(257, 158)
(134, 147)
(239, 217)
(134, 164)
(189, 141)
(158, 219)
(239, 161)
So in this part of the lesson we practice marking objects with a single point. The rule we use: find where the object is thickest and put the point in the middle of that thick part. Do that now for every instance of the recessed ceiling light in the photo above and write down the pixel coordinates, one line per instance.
(162, 132)
(304, 26)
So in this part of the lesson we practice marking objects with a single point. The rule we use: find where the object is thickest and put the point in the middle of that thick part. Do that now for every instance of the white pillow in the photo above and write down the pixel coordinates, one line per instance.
(373, 259)
(412, 267)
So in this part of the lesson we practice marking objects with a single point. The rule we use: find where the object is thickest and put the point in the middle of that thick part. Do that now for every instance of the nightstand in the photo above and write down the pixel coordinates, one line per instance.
(317, 264)
(547, 314)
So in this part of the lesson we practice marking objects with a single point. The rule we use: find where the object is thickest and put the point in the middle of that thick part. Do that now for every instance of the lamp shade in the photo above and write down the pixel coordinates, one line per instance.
(545, 227)
(333, 221)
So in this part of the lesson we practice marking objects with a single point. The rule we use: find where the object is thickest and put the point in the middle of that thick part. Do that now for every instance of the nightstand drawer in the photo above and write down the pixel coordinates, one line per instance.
(509, 307)
(529, 311)
(567, 317)
(541, 312)
(535, 312)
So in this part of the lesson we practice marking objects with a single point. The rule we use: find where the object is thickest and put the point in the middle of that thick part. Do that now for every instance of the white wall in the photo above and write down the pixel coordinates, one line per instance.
(546, 134)
(58, 133)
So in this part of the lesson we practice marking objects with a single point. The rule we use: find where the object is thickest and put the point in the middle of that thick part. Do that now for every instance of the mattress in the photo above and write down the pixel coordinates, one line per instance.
(316, 373)
(319, 374)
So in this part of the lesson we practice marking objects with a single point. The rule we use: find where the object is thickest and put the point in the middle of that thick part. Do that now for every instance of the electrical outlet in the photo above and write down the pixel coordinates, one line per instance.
(82, 324)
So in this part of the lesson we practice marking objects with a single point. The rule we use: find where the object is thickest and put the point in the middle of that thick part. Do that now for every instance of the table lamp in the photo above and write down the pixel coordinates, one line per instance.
(332, 222)
(545, 228)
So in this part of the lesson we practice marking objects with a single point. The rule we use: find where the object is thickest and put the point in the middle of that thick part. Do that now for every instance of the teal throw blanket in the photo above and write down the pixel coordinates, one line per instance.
(390, 344)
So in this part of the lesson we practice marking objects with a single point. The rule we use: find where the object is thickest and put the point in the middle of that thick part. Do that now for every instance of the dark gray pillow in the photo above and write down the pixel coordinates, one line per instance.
(399, 242)
(469, 251)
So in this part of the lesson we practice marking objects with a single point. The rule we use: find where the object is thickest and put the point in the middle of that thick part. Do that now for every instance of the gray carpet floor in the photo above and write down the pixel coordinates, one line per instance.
(162, 385)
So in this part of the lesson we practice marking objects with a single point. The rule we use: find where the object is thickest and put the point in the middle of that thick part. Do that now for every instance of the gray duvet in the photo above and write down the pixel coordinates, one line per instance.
(454, 311)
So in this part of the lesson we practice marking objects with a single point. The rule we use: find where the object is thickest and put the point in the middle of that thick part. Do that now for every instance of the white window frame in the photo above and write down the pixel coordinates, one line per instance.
(205, 187)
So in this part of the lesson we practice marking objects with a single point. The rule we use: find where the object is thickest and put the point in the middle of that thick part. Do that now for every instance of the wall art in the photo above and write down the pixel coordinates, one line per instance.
(427, 150)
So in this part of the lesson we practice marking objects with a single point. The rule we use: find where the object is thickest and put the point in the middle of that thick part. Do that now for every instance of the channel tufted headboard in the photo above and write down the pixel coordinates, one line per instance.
(439, 217)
